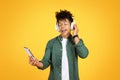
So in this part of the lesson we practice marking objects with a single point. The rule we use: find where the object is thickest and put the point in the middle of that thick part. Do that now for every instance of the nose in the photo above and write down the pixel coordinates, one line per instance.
(62, 26)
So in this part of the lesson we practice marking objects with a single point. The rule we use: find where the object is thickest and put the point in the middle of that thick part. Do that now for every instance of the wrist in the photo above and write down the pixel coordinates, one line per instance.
(74, 36)
(76, 39)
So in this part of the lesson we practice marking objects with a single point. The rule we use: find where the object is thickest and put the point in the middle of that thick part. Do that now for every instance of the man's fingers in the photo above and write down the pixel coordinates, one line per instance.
(30, 59)
(33, 62)
(76, 26)
(75, 29)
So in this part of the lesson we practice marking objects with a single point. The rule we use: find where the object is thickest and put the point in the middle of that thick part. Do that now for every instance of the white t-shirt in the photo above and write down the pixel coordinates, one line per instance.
(65, 66)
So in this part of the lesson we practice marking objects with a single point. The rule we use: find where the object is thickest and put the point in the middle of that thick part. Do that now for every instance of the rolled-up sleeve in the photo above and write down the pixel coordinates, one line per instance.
(47, 57)
(81, 49)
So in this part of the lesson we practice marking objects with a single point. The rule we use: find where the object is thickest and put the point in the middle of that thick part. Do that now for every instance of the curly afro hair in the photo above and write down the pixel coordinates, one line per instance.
(64, 14)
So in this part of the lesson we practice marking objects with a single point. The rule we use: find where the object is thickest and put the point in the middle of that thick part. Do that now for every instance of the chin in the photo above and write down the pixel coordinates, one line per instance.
(65, 35)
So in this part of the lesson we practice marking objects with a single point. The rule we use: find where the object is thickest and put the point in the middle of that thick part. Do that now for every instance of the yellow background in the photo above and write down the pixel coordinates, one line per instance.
(32, 24)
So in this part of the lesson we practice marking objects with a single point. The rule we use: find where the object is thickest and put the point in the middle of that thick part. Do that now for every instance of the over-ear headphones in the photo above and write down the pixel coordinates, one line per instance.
(71, 27)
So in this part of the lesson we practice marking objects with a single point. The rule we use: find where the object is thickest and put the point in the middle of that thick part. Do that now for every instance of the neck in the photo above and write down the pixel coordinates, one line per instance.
(65, 37)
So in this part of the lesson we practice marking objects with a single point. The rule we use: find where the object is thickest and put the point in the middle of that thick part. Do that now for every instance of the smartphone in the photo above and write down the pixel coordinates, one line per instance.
(29, 52)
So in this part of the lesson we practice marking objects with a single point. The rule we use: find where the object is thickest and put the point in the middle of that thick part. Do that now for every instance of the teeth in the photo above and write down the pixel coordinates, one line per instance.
(63, 30)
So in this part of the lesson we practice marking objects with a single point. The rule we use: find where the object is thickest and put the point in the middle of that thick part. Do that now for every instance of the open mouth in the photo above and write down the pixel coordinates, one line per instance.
(63, 30)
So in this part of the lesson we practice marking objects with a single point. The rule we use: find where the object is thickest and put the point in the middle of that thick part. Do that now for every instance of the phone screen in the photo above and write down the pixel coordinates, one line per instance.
(29, 52)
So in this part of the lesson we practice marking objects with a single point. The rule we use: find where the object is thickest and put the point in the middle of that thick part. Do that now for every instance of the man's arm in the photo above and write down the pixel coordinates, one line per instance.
(81, 49)
(46, 61)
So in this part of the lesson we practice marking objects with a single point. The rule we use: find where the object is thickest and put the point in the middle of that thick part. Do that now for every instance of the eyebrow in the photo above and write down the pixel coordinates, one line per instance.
(64, 21)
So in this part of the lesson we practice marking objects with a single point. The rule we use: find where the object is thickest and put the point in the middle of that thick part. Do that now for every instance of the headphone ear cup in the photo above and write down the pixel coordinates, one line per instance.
(57, 28)
(72, 25)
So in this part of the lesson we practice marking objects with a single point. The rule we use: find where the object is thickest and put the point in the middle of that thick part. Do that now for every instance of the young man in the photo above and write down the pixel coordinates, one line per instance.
(62, 51)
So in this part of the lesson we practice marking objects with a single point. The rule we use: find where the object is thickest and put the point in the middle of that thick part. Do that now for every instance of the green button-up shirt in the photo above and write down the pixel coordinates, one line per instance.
(53, 57)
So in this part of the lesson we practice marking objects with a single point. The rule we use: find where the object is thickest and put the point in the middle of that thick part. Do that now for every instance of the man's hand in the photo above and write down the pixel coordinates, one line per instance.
(75, 30)
(35, 62)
